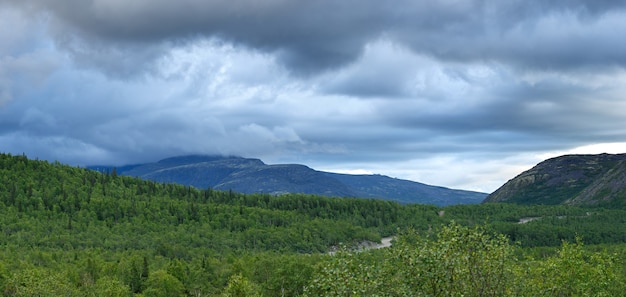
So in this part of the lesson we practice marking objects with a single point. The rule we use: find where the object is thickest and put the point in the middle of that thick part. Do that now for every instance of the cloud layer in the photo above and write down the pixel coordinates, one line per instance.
(455, 93)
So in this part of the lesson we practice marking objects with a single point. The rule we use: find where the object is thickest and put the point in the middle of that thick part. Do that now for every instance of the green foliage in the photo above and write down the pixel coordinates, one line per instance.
(68, 231)
(347, 274)
(550, 225)
(37, 281)
(108, 287)
(117, 227)
(458, 260)
(572, 272)
(281, 275)
(134, 272)
(87, 209)
(162, 284)
(239, 286)
(464, 261)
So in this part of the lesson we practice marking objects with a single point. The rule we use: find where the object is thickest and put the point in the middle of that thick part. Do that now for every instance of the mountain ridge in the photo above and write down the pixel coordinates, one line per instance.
(582, 179)
(250, 175)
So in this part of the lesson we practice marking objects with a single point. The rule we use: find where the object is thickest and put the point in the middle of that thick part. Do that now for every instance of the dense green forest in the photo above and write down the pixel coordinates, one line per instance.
(69, 231)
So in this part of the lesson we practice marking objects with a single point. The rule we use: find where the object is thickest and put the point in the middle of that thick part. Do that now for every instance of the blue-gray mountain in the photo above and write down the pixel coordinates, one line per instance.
(247, 175)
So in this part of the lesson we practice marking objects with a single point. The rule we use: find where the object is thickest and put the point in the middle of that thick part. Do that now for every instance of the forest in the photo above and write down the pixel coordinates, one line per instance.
(69, 231)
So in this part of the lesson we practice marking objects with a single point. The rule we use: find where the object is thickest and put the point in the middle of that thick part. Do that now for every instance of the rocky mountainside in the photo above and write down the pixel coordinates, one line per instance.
(247, 175)
(570, 179)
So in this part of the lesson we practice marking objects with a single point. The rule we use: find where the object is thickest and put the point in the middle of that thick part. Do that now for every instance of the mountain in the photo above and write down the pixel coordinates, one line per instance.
(570, 179)
(404, 191)
(246, 175)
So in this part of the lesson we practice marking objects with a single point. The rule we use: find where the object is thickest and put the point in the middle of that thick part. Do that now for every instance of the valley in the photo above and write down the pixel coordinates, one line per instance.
(69, 231)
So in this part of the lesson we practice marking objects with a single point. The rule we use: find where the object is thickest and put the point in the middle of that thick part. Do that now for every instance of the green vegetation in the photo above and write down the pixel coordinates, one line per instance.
(67, 231)
(466, 261)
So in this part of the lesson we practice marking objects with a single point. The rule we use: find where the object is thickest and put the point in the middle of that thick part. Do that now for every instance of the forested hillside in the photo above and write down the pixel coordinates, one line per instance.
(69, 231)
(92, 227)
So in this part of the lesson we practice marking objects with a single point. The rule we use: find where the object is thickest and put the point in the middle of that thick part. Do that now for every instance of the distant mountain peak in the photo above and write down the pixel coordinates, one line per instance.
(192, 159)
(248, 175)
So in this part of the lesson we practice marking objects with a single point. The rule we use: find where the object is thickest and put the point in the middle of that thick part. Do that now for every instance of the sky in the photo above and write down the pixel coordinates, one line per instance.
(464, 94)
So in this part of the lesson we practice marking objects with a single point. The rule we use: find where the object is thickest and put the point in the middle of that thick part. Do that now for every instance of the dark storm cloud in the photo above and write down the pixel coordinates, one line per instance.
(307, 35)
(316, 35)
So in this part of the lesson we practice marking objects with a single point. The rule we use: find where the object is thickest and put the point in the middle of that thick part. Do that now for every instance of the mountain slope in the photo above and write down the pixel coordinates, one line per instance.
(246, 175)
(199, 171)
(569, 179)
(282, 179)
(609, 189)
(380, 186)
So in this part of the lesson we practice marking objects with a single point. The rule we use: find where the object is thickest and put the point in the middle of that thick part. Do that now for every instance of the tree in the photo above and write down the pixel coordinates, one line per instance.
(572, 272)
(162, 284)
(347, 273)
(458, 260)
(109, 287)
(134, 272)
(240, 286)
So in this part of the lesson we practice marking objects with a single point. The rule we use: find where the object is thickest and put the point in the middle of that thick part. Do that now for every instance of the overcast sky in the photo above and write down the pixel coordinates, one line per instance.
(458, 93)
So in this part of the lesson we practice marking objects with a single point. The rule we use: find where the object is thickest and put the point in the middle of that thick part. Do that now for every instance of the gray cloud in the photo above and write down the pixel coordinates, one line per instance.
(553, 112)
(309, 36)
